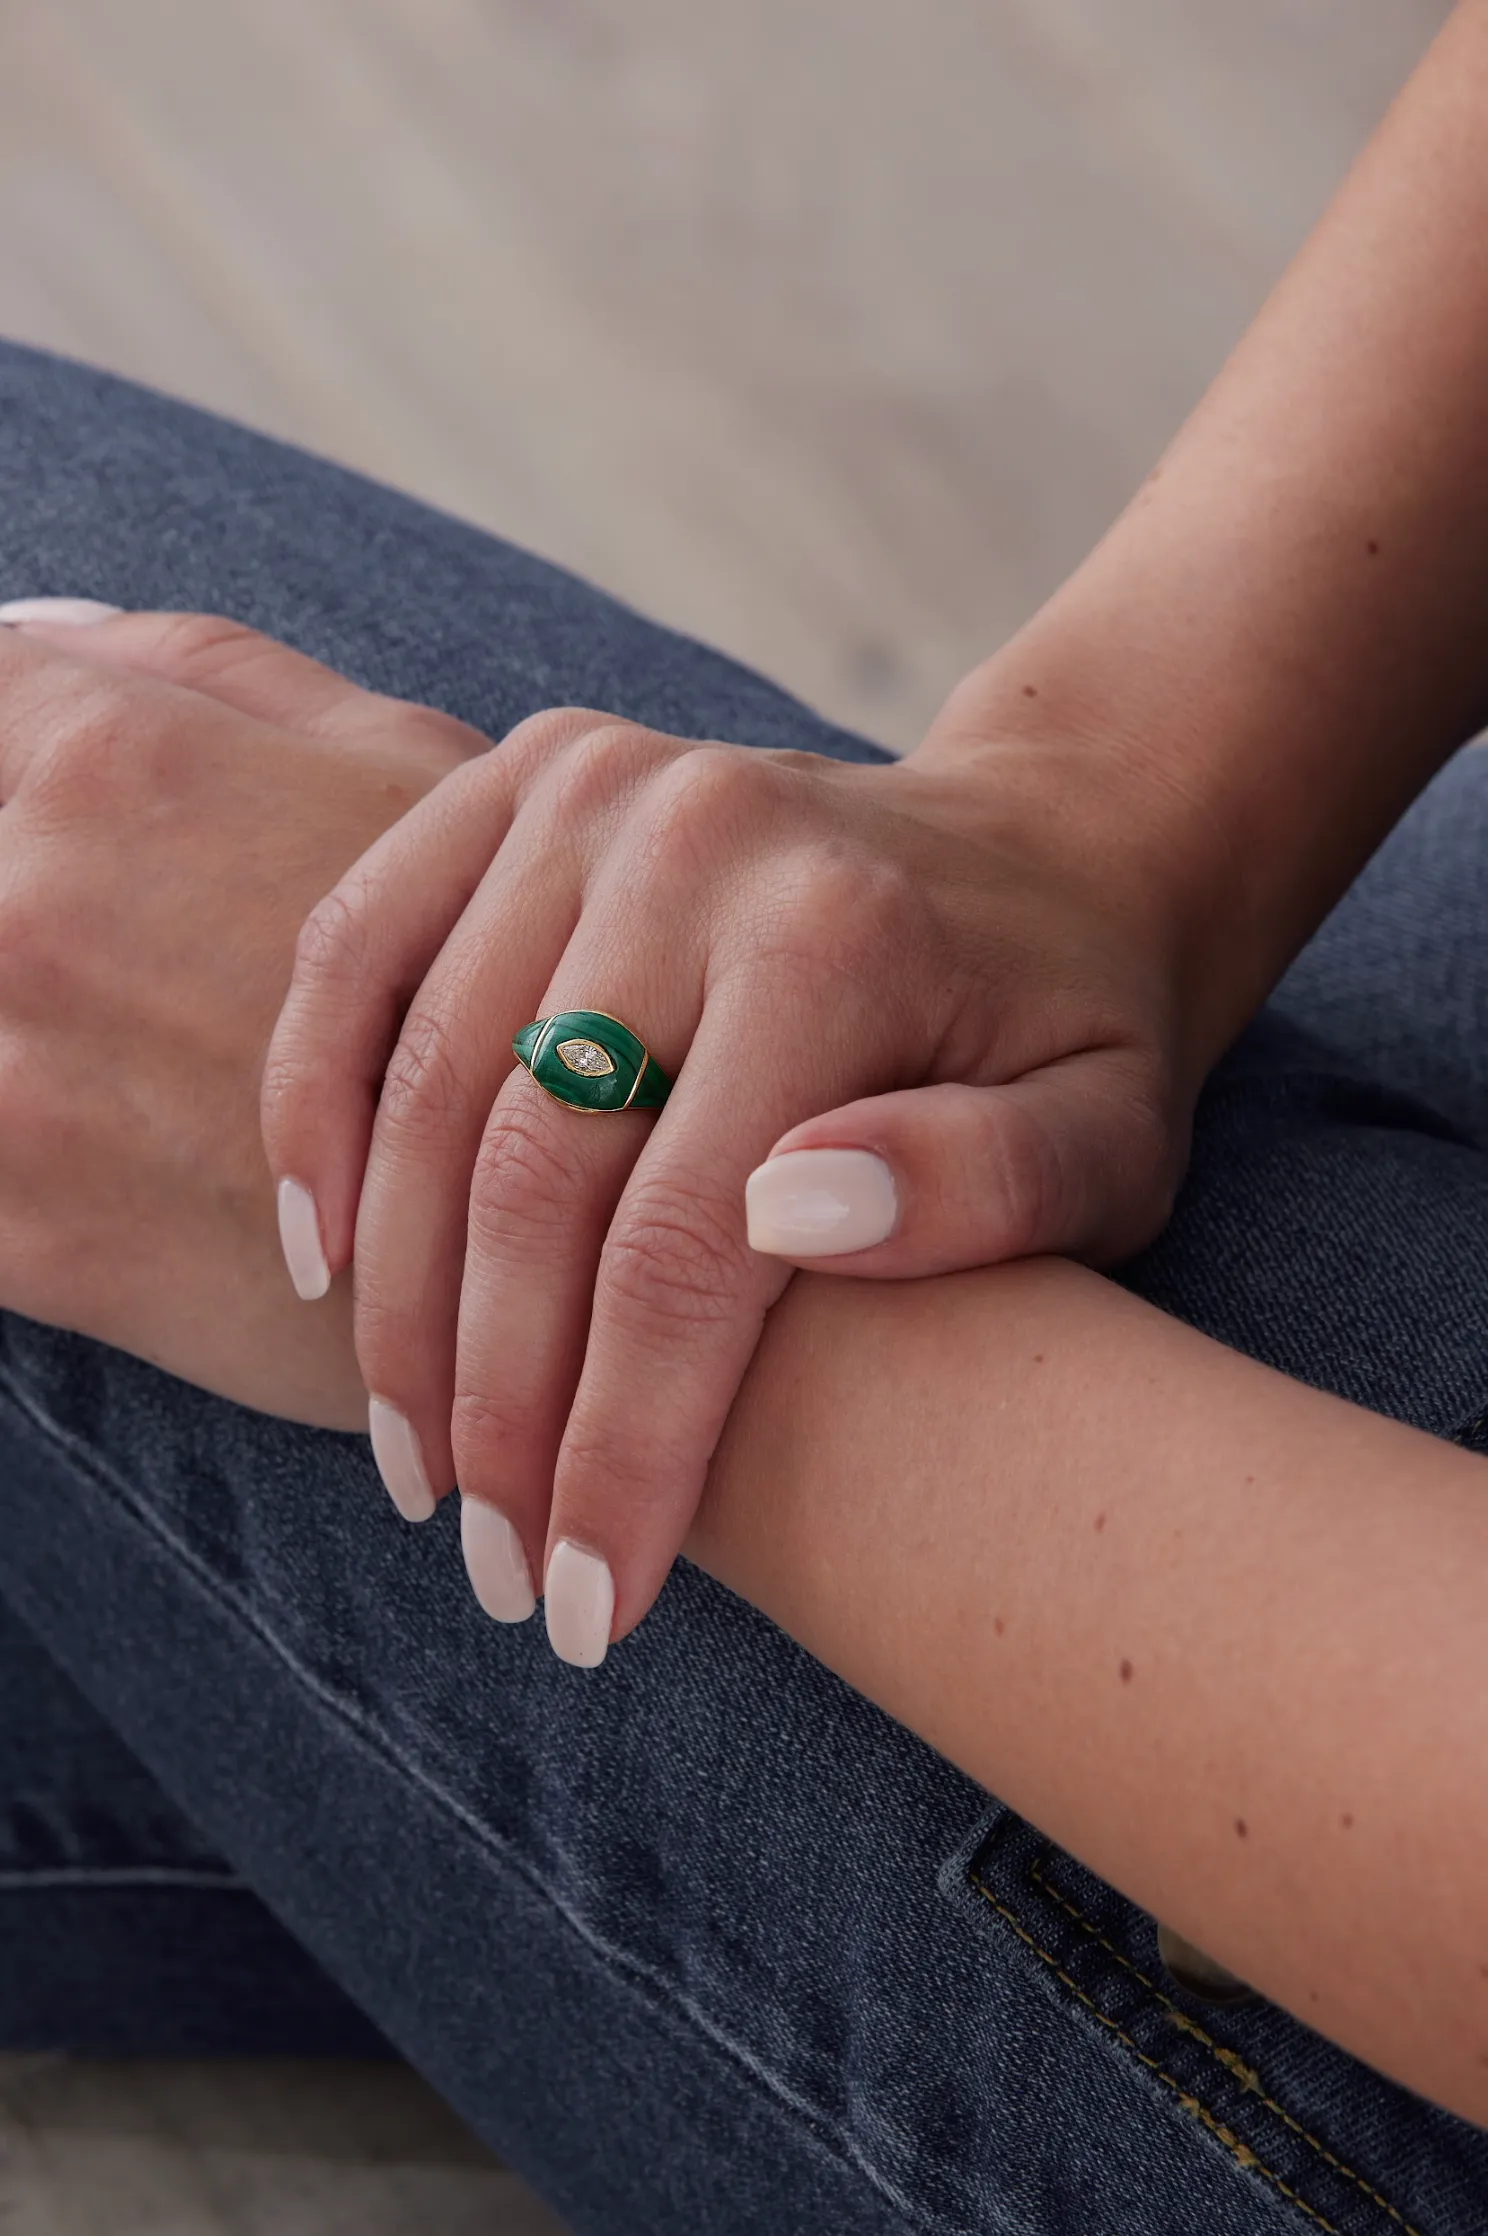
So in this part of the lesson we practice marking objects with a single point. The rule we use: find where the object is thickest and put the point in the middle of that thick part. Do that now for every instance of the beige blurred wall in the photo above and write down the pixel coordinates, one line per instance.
(830, 329)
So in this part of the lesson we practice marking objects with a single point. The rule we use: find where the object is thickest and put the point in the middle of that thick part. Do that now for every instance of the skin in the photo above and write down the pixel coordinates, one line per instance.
(563, 1306)
(1261, 664)
(1002, 967)
(999, 1486)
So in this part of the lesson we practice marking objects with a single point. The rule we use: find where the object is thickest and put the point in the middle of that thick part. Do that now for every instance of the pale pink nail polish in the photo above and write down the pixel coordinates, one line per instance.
(495, 1563)
(400, 1462)
(76, 612)
(579, 1596)
(820, 1203)
(299, 1238)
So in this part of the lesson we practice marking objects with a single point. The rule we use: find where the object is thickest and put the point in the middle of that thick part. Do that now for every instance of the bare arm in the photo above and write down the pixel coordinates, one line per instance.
(1220, 1635)
(1287, 631)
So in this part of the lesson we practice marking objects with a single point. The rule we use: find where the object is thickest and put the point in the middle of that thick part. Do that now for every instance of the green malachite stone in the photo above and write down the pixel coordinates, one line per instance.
(591, 1062)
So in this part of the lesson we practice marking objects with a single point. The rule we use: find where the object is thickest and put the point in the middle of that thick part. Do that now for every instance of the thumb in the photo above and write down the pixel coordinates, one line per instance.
(1078, 1160)
(239, 667)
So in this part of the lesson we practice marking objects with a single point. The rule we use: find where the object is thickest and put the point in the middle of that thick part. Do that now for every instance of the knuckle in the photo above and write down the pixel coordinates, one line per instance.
(100, 757)
(598, 770)
(605, 1475)
(680, 1266)
(198, 645)
(448, 742)
(1034, 1188)
(705, 794)
(425, 1094)
(484, 1427)
(844, 914)
(331, 946)
(395, 1354)
(539, 738)
(524, 1182)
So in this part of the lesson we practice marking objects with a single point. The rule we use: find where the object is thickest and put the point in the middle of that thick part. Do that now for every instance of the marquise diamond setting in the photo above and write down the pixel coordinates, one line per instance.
(586, 1057)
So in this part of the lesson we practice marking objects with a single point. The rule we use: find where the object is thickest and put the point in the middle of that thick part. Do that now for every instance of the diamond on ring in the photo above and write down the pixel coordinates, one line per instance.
(591, 1061)
(585, 1057)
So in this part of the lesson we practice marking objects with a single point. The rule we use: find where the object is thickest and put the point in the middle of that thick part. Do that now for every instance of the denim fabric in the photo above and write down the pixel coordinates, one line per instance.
(703, 1944)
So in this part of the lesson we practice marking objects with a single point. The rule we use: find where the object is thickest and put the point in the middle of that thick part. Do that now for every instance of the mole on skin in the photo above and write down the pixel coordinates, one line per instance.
(1372, 548)
(1127, 1673)
(1242, 1829)
(1029, 692)
(998, 1625)
(1100, 1521)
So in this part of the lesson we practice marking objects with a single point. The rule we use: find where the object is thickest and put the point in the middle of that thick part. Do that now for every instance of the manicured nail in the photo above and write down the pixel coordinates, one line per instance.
(580, 1598)
(77, 612)
(495, 1563)
(820, 1203)
(299, 1238)
(399, 1461)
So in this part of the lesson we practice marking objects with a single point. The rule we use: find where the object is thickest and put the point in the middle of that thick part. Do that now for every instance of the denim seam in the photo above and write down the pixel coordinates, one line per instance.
(817, 2128)
(1248, 2078)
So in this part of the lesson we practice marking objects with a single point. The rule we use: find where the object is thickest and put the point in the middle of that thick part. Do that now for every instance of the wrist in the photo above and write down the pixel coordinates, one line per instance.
(1126, 824)
(1199, 792)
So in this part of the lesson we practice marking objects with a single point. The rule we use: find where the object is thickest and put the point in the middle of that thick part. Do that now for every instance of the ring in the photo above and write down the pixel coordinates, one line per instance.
(591, 1062)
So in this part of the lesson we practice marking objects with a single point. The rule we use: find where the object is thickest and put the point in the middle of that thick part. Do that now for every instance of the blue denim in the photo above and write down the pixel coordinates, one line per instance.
(703, 1943)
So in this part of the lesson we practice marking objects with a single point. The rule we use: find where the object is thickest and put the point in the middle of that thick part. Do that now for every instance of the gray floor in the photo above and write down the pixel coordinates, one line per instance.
(830, 329)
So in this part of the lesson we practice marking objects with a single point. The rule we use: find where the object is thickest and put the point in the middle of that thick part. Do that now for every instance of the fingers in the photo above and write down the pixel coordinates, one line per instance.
(633, 1259)
(362, 953)
(678, 1301)
(1065, 1161)
(238, 666)
(388, 1111)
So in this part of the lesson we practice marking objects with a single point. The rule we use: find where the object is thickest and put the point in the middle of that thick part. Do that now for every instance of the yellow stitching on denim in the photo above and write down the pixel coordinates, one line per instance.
(1241, 2152)
(1473, 1428)
(1244, 2073)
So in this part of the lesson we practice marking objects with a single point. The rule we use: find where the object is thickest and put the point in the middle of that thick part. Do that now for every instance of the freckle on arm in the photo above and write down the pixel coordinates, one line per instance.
(1127, 1673)
(1242, 1829)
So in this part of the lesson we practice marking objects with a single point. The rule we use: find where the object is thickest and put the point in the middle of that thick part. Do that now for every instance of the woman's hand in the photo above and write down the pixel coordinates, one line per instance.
(177, 793)
(918, 1017)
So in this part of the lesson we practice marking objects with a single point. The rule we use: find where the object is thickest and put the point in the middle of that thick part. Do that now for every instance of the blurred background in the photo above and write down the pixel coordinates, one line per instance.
(831, 330)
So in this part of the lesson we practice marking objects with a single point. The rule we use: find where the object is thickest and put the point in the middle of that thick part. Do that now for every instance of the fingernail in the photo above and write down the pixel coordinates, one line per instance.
(495, 1563)
(76, 611)
(820, 1203)
(399, 1461)
(579, 1595)
(299, 1238)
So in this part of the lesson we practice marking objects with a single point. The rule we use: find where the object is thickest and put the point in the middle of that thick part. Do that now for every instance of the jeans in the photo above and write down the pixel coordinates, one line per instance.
(702, 1943)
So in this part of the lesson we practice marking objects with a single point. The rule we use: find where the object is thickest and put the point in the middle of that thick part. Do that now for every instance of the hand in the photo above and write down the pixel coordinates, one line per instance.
(177, 793)
(921, 1020)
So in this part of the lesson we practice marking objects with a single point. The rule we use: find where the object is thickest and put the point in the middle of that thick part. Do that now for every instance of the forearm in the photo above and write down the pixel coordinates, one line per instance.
(1218, 1634)
(1287, 632)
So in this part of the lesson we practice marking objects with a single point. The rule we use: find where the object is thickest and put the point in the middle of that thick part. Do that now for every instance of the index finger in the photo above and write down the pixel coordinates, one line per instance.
(679, 1304)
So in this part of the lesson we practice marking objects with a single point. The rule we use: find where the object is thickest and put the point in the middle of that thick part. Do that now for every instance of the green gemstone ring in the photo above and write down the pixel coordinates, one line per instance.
(591, 1062)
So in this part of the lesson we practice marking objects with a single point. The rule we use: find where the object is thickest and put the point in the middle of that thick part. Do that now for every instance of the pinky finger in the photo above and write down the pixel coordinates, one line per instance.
(362, 954)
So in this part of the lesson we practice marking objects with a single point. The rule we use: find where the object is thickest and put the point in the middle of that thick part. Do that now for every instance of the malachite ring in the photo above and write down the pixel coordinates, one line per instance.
(591, 1062)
